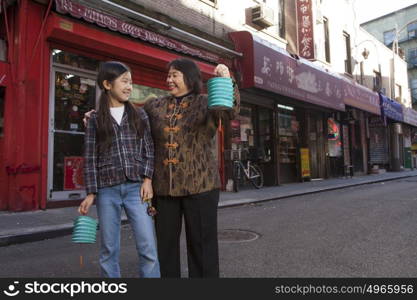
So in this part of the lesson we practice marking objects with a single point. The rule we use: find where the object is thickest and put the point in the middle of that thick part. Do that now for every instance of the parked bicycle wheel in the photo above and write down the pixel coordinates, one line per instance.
(256, 177)
(236, 177)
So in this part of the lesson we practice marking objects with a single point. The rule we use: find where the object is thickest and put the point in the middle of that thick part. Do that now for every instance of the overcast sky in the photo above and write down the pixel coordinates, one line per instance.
(370, 9)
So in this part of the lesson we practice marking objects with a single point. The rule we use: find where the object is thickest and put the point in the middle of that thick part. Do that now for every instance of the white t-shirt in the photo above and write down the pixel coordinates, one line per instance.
(117, 113)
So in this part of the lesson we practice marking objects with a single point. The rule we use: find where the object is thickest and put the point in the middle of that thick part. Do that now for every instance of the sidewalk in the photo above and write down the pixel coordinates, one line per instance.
(31, 226)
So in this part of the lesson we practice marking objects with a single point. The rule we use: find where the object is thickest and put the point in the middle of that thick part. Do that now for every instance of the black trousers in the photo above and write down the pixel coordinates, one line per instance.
(200, 218)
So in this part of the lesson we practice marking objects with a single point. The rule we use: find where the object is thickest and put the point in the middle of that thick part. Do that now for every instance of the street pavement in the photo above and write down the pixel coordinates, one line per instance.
(366, 231)
(21, 227)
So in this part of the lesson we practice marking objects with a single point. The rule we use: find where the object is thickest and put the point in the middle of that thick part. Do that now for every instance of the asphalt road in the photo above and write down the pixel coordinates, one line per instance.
(365, 231)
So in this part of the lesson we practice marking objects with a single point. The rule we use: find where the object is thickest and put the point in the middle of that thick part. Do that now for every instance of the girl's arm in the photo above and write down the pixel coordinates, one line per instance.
(90, 156)
(148, 153)
(90, 166)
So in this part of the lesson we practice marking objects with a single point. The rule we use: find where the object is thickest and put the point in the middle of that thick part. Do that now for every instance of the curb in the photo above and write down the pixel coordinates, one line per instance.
(44, 233)
(232, 203)
(48, 232)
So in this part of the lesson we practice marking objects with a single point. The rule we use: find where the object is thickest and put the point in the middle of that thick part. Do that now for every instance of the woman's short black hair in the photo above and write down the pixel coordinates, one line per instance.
(191, 72)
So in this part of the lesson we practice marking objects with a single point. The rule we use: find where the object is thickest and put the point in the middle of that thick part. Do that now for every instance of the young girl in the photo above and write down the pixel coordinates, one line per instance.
(119, 162)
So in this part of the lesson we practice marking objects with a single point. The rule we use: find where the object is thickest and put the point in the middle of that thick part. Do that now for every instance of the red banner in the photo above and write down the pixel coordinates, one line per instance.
(305, 29)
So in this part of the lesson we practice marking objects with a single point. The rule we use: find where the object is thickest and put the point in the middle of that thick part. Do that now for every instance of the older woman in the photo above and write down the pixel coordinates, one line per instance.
(186, 178)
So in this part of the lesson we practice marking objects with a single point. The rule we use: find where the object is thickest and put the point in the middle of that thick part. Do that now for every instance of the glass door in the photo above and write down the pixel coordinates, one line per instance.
(73, 92)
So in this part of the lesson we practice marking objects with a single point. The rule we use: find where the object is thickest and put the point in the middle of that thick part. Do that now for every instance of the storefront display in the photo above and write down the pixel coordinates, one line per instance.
(334, 138)
(73, 173)
(288, 138)
(74, 93)
(246, 127)
(141, 94)
(288, 145)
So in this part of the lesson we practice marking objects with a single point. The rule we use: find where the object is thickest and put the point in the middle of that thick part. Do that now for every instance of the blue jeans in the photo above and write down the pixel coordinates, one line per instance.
(110, 201)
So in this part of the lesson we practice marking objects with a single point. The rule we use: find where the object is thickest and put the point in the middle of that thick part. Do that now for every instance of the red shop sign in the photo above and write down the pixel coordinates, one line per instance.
(108, 21)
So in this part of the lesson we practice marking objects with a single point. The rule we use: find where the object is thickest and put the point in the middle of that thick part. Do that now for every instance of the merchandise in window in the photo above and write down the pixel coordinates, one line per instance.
(74, 60)
(141, 94)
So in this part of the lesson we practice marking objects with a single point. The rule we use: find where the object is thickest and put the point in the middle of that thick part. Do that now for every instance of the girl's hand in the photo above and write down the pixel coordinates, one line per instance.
(146, 191)
(87, 116)
(86, 204)
(222, 71)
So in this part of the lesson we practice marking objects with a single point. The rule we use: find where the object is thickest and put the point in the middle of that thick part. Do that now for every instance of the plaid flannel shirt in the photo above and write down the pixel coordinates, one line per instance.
(129, 158)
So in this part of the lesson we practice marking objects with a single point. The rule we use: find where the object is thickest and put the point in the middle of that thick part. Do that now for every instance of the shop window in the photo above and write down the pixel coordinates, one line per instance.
(246, 127)
(141, 94)
(2, 112)
(74, 60)
(389, 37)
(333, 137)
(288, 135)
(348, 58)
(265, 145)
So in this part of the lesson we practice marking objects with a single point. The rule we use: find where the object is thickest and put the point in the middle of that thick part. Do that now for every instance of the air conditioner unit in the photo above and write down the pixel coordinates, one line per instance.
(262, 16)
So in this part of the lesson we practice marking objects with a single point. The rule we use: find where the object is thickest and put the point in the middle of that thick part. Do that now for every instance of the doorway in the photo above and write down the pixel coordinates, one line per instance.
(72, 93)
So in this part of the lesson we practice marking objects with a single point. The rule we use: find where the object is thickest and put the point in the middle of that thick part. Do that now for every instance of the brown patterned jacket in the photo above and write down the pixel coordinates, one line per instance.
(183, 136)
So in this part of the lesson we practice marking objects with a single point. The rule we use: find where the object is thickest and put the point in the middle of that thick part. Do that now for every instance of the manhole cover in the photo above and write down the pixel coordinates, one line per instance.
(236, 235)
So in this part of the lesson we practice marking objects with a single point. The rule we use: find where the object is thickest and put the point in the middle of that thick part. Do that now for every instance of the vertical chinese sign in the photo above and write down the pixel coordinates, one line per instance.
(305, 29)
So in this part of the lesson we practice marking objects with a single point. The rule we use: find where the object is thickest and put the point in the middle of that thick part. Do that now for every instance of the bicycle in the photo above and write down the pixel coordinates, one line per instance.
(252, 172)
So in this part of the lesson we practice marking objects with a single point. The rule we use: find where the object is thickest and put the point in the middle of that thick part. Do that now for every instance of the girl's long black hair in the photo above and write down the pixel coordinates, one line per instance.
(110, 71)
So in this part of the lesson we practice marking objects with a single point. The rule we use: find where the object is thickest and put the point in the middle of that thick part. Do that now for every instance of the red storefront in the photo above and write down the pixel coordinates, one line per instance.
(54, 59)
(301, 97)
(4, 82)
(311, 105)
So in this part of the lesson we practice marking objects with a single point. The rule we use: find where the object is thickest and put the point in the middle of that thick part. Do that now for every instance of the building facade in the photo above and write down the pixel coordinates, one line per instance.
(398, 32)
(309, 80)
(399, 27)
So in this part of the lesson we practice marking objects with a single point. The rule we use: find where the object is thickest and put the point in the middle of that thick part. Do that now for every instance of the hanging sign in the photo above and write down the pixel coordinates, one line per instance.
(305, 29)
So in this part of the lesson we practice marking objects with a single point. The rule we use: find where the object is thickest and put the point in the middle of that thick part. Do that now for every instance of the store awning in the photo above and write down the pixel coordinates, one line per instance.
(271, 68)
(410, 116)
(82, 36)
(391, 109)
(360, 97)
(114, 23)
